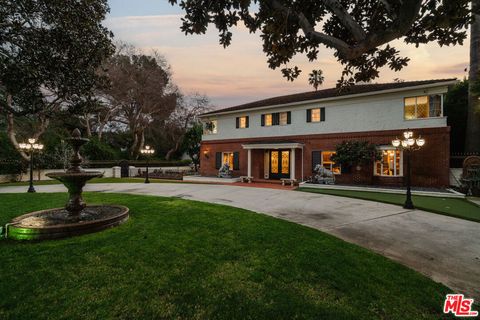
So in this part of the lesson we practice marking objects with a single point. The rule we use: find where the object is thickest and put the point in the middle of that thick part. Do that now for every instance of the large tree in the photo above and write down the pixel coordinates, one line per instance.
(50, 51)
(358, 31)
(140, 91)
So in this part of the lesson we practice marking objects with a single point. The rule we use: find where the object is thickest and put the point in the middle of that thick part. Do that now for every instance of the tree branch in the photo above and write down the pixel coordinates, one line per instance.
(346, 19)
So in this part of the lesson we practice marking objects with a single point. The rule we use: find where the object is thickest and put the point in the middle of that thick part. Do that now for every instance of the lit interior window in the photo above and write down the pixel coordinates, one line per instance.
(268, 119)
(329, 164)
(316, 115)
(228, 158)
(390, 164)
(283, 118)
(422, 107)
(243, 122)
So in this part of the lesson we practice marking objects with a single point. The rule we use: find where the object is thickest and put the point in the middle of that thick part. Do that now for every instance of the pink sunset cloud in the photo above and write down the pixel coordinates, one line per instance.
(240, 73)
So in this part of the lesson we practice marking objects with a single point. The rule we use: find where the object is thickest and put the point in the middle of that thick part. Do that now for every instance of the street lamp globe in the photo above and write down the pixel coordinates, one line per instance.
(396, 142)
(420, 141)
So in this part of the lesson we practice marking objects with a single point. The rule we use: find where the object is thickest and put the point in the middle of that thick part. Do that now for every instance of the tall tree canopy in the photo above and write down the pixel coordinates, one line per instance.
(140, 91)
(358, 31)
(50, 51)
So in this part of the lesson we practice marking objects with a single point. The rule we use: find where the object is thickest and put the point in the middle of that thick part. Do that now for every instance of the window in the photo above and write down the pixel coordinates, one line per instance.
(283, 118)
(329, 164)
(423, 107)
(227, 157)
(391, 163)
(210, 127)
(242, 122)
(277, 118)
(316, 115)
(268, 120)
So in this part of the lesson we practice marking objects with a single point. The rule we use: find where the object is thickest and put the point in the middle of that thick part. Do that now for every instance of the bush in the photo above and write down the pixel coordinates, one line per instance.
(98, 150)
(352, 153)
(10, 160)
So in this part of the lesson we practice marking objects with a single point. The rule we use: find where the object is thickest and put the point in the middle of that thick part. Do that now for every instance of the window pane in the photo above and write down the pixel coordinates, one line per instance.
(243, 122)
(283, 118)
(274, 162)
(228, 159)
(329, 164)
(435, 106)
(422, 107)
(316, 115)
(268, 119)
(285, 161)
(326, 155)
(409, 108)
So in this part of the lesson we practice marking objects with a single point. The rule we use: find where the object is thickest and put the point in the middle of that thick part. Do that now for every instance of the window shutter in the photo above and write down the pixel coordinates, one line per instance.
(236, 161)
(309, 115)
(263, 120)
(247, 122)
(322, 114)
(289, 117)
(218, 160)
(316, 158)
(237, 122)
(275, 119)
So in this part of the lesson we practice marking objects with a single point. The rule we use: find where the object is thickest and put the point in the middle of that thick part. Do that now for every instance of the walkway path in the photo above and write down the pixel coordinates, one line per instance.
(444, 248)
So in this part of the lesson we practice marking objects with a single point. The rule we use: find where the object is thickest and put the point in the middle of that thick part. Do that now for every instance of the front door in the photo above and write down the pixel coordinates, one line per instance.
(279, 164)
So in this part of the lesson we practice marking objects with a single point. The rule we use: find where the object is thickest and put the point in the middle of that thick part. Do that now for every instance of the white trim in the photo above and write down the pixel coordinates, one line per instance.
(273, 146)
(366, 94)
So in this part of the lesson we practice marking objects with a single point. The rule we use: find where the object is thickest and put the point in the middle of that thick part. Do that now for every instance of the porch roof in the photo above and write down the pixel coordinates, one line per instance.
(273, 145)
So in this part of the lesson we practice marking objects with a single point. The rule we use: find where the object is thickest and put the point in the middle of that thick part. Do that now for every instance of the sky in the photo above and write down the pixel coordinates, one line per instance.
(239, 73)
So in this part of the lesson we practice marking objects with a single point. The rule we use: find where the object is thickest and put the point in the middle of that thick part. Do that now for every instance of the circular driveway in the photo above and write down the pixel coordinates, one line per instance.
(444, 248)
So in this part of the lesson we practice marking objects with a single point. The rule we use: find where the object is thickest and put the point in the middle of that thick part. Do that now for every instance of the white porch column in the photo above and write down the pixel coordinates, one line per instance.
(249, 161)
(292, 164)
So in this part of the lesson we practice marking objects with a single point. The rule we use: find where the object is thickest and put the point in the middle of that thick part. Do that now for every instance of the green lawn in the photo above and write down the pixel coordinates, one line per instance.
(460, 208)
(177, 259)
(95, 180)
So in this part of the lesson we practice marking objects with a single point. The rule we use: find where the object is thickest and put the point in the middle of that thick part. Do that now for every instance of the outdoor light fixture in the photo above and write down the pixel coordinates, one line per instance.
(205, 153)
(147, 151)
(31, 147)
(409, 144)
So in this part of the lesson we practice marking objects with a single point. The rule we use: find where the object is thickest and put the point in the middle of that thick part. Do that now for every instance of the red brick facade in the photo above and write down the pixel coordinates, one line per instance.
(430, 165)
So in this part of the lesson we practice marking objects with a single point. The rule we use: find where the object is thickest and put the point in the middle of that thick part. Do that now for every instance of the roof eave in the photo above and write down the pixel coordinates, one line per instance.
(365, 94)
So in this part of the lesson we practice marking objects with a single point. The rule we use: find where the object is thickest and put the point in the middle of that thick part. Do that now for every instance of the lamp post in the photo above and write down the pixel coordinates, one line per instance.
(409, 144)
(147, 151)
(30, 147)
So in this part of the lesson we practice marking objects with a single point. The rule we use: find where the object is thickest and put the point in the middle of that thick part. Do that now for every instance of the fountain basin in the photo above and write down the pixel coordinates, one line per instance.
(59, 223)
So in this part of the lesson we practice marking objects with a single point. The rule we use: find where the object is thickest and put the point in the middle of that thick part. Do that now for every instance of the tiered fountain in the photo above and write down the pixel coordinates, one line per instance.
(76, 218)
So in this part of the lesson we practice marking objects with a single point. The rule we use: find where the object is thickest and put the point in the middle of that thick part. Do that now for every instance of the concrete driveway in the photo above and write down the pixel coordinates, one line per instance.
(444, 248)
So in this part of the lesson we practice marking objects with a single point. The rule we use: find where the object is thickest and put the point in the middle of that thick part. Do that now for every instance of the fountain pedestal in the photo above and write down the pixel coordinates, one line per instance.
(76, 218)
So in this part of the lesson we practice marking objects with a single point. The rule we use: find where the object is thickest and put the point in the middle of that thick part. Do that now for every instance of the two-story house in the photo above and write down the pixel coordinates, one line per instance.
(287, 136)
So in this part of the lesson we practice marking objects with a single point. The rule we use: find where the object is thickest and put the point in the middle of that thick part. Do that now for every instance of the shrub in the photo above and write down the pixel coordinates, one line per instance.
(352, 153)
(98, 150)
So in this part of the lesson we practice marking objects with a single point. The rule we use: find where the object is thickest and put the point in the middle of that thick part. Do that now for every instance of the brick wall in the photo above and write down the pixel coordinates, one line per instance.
(430, 165)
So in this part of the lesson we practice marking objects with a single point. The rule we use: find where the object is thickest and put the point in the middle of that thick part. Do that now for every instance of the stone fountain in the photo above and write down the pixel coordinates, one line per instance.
(76, 218)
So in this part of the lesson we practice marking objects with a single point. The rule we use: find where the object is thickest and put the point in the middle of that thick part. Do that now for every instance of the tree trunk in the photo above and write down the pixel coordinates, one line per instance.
(174, 149)
(11, 130)
(88, 126)
(472, 139)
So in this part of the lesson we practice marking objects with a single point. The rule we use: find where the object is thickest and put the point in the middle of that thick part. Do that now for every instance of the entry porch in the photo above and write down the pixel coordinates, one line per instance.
(274, 161)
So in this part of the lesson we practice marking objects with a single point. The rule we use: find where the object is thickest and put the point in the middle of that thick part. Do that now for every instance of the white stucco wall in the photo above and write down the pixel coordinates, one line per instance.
(355, 114)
